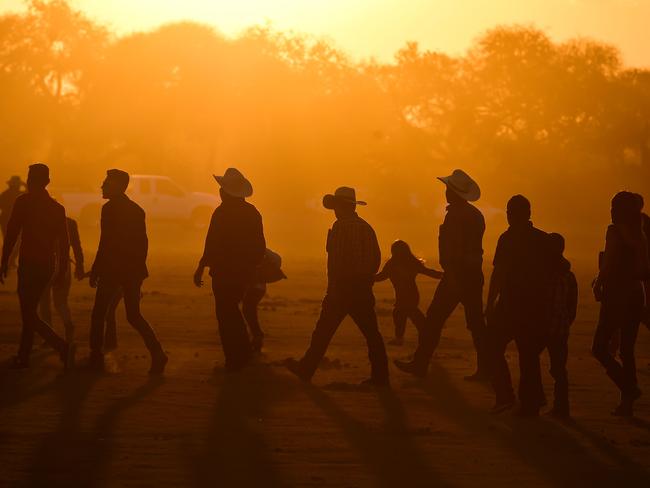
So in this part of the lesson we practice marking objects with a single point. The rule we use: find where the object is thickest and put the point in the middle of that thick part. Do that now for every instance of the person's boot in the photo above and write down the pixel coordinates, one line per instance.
(502, 405)
(297, 369)
(257, 342)
(158, 362)
(412, 368)
(68, 355)
(626, 407)
(95, 362)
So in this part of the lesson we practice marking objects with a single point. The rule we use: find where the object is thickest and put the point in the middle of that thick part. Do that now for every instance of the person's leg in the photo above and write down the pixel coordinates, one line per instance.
(104, 295)
(331, 315)
(399, 321)
(472, 301)
(60, 294)
(110, 337)
(608, 325)
(558, 351)
(250, 303)
(232, 327)
(31, 285)
(132, 296)
(629, 331)
(445, 300)
(497, 339)
(45, 305)
(530, 374)
(362, 311)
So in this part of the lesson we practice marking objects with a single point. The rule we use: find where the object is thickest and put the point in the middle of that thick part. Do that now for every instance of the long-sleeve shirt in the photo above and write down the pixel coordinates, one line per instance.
(123, 244)
(460, 240)
(42, 222)
(235, 244)
(353, 254)
(75, 241)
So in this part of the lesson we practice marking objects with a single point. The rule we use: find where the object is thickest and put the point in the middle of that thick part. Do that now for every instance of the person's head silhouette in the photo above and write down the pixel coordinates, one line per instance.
(233, 185)
(626, 209)
(461, 187)
(14, 183)
(518, 210)
(38, 177)
(115, 183)
(344, 202)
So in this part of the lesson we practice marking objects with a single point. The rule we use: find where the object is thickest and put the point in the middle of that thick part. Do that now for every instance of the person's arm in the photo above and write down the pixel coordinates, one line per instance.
(431, 273)
(572, 297)
(208, 249)
(608, 264)
(376, 252)
(104, 231)
(14, 227)
(494, 290)
(77, 251)
(63, 246)
(383, 274)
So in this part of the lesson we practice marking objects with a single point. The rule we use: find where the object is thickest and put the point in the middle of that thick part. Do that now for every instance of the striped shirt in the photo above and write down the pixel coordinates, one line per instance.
(353, 254)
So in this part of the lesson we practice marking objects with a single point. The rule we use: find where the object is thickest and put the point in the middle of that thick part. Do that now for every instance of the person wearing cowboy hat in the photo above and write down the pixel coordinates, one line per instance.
(461, 257)
(7, 199)
(234, 249)
(353, 259)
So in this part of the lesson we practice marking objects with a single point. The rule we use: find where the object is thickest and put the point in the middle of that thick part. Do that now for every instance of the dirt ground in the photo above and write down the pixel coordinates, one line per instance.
(197, 427)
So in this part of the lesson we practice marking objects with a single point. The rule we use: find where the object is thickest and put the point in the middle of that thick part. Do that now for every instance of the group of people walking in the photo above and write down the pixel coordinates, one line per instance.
(531, 300)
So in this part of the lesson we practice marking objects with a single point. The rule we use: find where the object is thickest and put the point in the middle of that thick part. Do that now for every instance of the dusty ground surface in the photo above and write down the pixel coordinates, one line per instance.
(197, 427)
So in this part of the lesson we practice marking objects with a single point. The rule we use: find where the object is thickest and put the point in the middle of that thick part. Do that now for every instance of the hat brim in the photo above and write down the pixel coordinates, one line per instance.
(330, 201)
(470, 195)
(243, 190)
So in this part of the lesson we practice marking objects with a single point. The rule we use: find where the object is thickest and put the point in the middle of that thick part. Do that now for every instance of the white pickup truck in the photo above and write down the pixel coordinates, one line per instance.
(160, 197)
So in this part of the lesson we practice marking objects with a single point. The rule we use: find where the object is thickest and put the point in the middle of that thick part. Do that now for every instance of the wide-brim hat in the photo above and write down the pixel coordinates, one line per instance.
(15, 180)
(234, 183)
(463, 185)
(342, 194)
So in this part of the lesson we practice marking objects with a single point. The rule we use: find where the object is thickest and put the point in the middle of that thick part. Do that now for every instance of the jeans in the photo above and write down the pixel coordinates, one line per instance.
(466, 290)
(32, 282)
(250, 302)
(58, 293)
(621, 310)
(359, 303)
(108, 288)
(232, 326)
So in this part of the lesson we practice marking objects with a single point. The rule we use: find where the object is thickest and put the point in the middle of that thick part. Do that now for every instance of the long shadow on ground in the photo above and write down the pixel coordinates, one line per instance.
(557, 452)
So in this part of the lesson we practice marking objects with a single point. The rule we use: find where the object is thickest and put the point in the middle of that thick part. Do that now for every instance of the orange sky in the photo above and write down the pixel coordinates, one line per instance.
(379, 27)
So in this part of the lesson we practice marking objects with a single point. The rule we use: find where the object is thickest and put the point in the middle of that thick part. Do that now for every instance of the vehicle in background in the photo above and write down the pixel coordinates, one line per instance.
(160, 197)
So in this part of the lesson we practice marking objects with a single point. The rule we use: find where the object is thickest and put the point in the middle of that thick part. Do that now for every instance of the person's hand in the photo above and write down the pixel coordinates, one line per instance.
(4, 270)
(198, 277)
(597, 287)
(92, 279)
(79, 272)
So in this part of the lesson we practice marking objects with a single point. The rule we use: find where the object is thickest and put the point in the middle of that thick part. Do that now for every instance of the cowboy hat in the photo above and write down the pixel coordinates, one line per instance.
(342, 194)
(15, 180)
(461, 184)
(234, 183)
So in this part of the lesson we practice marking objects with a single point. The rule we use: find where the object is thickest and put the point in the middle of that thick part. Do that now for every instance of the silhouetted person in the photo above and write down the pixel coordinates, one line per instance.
(619, 288)
(7, 200)
(518, 307)
(646, 231)
(461, 258)
(58, 291)
(353, 259)
(563, 313)
(402, 269)
(269, 271)
(44, 255)
(234, 248)
(110, 336)
(120, 264)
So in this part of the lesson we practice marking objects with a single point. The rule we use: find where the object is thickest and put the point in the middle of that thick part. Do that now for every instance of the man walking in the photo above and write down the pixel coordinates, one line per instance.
(7, 200)
(461, 257)
(234, 248)
(120, 264)
(44, 254)
(519, 302)
(353, 259)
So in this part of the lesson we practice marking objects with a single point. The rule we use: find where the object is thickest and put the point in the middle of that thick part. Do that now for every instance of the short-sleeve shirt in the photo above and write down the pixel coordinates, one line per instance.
(460, 240)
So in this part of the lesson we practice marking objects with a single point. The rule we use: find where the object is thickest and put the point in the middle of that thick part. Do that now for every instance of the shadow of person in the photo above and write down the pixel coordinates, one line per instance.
(547, 447)
(72, 456)
(235, 453)
(20, 386)
(391, 456)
